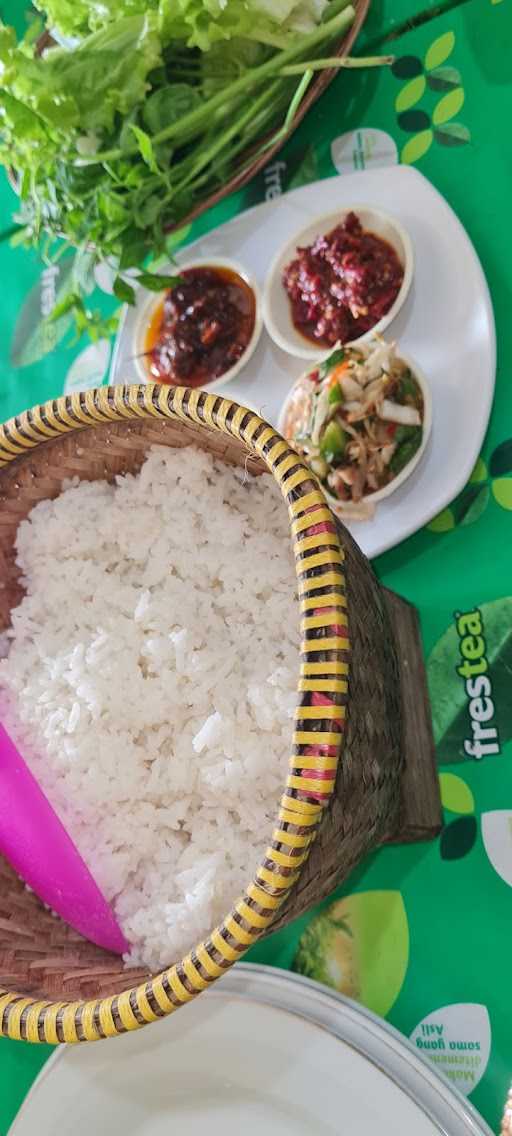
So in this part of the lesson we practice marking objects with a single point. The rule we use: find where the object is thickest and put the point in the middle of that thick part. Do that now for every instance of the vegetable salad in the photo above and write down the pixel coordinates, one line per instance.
(358, 420)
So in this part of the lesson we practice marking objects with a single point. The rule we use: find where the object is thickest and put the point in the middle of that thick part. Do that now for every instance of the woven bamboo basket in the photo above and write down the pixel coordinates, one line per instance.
(54, 985)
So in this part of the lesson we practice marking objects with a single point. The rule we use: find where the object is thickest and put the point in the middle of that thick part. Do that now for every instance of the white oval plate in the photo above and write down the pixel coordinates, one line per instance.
(263, 1051)
(446, 324)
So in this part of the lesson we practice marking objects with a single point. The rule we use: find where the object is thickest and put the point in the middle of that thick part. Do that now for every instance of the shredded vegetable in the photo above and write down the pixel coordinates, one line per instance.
(358, 420)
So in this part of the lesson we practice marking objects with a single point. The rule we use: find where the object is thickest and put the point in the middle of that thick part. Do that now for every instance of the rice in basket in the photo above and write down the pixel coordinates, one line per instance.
(150, 684)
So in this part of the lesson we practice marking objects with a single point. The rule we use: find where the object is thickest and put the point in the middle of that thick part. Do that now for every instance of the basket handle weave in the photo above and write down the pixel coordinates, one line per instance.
(321, 709)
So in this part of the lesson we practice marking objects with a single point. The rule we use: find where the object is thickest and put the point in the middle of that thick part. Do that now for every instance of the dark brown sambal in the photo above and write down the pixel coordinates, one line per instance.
(201, 328)
(343, 284)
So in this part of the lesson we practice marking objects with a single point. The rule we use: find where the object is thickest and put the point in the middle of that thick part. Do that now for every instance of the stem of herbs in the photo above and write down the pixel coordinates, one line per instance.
(292, 111)
(338, 62)
(259, 123)
(333, 10)
(196, 118)
(211, 151)
(265, 70)
(259, 110)
(253, 122)
(287, 124)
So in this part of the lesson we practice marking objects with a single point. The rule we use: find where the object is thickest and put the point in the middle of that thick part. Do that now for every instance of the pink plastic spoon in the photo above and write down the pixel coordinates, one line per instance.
(37, 845)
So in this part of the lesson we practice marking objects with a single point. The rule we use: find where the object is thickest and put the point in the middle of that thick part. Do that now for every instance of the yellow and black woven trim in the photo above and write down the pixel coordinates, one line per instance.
(316, 741)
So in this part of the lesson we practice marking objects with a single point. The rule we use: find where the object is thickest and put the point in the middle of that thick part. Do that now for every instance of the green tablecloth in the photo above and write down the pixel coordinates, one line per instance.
(421, 933)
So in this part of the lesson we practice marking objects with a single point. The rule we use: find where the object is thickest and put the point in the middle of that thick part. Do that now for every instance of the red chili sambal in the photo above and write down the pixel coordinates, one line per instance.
(201, 328)
(343, 284)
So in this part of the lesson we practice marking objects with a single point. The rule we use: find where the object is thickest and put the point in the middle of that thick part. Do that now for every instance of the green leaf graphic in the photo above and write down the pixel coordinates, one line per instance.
(35, 334)
(410, 94)
(414, 120)
(406, 67)
(459, 1027)
(458, 838)
(455, 794)
(453, 134)
(416, 147)
(501, 459)
(444, 522)
(449, 700)
(303, 168)
(497, 841)
(89, 368)
(477, 507)
(470, 504)
(502, 491)
(448, 106)
(444, 78)
(479, 471)
(439, 50)
(359, 946)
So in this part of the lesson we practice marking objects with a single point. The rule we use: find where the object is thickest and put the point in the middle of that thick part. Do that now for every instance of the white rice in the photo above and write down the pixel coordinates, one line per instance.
(150, 684)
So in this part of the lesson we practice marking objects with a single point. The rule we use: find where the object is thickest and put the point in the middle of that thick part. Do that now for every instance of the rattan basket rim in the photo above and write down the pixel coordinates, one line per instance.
(319, 565)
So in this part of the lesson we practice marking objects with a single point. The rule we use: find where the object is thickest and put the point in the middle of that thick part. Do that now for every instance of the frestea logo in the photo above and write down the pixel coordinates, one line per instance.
(273, 177)
(483, 739)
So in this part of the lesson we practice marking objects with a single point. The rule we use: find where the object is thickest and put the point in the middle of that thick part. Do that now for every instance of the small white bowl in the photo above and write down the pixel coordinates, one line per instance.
(148, 307)
(276, 304)
(387, 490)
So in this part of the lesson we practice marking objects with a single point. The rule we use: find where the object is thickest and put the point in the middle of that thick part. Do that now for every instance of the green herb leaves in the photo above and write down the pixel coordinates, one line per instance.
(156, 282)
(123, 291)
(169, 104)
(115, 139)
(145, 147)
(153, 281)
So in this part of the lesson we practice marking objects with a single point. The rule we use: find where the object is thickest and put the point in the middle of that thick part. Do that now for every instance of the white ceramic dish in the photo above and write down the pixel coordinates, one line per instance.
(276, 305)
(263, 1052)
(446, 324)
(147, 306)
(405, 473)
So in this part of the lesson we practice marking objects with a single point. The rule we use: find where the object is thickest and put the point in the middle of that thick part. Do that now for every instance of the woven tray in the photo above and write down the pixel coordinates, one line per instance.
(384, 788)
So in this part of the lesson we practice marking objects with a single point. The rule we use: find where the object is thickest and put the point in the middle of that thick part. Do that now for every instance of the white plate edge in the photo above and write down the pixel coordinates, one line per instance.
(243, 982)
(366, 1021)
(457, 484)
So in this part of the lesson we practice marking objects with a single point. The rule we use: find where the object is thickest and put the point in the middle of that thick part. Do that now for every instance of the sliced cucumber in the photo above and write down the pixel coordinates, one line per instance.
(335, 394)
(333, 441)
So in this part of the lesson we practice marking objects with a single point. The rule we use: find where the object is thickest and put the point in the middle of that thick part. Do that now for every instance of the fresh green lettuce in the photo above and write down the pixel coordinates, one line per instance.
(79, 17)
(200, 22)
(114, 141)
(105, 75)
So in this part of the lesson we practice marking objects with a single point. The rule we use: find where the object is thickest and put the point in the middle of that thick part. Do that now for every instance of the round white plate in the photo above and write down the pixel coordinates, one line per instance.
(446, 324)
(263, 1052)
